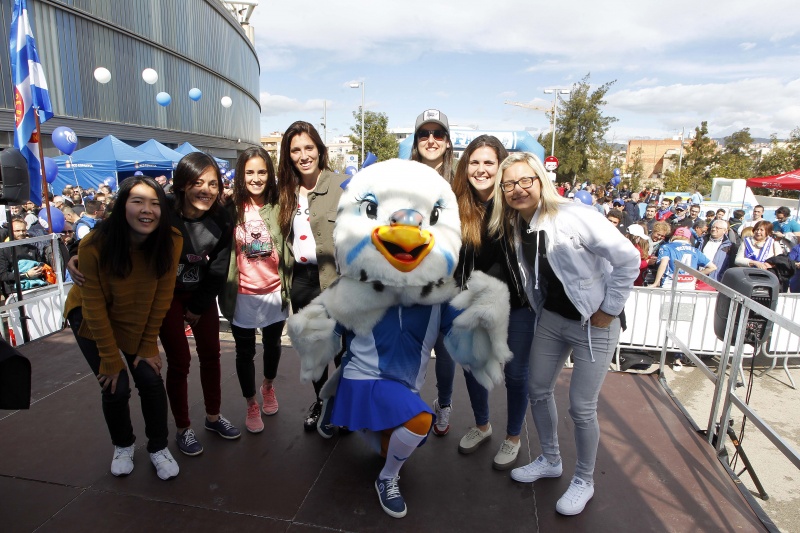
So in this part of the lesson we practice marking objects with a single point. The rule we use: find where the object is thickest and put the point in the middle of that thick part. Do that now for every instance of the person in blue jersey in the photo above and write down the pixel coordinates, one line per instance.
(397, 250)
(680, 249)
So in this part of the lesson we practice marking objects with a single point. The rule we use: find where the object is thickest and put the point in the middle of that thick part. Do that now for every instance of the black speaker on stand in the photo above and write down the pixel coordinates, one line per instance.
(760, 285)
(15, 187)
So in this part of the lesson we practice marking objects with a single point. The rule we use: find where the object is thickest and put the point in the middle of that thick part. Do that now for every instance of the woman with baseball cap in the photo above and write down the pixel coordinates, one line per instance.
(432, 147)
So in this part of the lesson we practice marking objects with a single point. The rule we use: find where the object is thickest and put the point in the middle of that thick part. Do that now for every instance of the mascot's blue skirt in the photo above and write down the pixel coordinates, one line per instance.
(375, 404)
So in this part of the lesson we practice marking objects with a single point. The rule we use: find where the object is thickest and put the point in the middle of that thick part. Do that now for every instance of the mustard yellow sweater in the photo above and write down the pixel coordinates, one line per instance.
(122, 313)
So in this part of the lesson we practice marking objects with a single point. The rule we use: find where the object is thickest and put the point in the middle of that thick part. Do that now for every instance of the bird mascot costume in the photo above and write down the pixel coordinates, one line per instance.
(397, 240)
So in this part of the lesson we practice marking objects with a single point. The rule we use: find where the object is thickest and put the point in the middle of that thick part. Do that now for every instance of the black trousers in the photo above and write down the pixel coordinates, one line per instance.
(116, 409)
(305, 287)
(245, 339)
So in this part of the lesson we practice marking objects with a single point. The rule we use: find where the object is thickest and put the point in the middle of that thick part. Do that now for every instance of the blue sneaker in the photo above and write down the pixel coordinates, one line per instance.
(225, 429)
(187, 443)
(324, 426)
(391, 499)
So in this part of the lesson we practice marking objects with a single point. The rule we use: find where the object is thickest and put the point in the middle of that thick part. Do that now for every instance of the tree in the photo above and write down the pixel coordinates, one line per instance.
(378, 139)
(635, 170)
(581, 128)
(600, 170)
(698, 160)
(737, 159)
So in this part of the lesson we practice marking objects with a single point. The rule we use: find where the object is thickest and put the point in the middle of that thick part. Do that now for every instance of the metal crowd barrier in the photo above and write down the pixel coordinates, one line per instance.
(732, 351)
(43, 306)
(648, 310)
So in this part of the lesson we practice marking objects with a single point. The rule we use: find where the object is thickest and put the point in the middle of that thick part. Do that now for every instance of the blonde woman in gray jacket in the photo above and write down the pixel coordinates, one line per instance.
(578, 271)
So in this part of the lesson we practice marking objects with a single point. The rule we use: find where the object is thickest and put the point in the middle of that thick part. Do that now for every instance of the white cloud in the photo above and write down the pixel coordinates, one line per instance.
(646, 82)
(275, 104)
(747, 46)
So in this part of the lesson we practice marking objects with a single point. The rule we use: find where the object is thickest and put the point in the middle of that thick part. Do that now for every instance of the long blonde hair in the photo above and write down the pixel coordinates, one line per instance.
(503, 218)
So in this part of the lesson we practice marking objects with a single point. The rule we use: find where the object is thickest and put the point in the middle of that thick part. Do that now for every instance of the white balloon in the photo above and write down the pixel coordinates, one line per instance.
(102, 75)
(149, 76)
(226, 101)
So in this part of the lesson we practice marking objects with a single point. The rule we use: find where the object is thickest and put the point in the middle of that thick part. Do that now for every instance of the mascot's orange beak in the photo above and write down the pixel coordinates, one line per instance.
(403, 243)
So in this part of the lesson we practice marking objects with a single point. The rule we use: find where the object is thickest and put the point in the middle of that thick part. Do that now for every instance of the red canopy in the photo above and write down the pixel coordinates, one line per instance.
(789, 181)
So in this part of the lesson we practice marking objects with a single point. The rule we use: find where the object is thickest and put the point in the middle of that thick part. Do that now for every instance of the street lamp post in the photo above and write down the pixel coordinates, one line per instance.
(555, 93)
(356, 85)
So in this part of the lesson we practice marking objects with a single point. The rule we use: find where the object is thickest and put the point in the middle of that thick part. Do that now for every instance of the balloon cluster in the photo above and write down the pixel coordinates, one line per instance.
(150, 76)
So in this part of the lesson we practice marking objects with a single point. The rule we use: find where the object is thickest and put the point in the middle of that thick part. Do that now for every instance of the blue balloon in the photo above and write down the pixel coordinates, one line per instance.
(56, 216)
(111, 183)
(369, 159)
(163, 99)
(615, 181)
(584, 196)
(616, 172)
(138, 173)
(195, 94)
(65, 139)
(50, 169)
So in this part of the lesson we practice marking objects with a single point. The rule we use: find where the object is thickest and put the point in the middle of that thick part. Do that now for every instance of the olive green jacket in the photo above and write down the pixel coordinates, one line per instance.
(323, 202)
(227, 297)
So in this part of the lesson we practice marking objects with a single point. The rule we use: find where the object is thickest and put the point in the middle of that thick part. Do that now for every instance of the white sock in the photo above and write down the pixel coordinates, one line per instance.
(401, 445)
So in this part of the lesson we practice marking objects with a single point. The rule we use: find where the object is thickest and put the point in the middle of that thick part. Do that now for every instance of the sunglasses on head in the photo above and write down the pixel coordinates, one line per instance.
(439, 135)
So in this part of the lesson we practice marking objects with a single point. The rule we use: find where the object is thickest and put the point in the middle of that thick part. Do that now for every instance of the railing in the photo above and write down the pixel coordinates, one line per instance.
(42, 306)
(648, 310)
(725, 380)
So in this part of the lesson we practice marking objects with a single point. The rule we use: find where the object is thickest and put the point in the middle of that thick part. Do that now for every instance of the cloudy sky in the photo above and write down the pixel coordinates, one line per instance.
(734, 64)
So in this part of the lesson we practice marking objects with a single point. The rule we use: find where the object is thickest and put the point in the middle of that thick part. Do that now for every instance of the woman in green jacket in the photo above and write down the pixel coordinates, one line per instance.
(256, 294)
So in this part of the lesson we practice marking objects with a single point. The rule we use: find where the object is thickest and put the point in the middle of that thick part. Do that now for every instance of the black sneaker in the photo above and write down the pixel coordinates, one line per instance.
(389, 496)
(187, 443)
(324, 426)
(310, 422)
(225, 429)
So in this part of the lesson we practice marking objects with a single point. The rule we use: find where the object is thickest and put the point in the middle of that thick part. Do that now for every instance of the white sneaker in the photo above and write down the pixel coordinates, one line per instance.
(122, 463)
(442, 425)
(474, 438)
(538, 469)
(574, 500)
(507, 455)
(166, 466)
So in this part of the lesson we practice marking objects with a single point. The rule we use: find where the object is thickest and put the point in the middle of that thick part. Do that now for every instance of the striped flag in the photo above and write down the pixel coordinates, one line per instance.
(30, 94)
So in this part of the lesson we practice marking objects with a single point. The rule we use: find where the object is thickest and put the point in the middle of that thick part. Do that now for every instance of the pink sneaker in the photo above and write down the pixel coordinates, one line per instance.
(270, 401)
(253, 423)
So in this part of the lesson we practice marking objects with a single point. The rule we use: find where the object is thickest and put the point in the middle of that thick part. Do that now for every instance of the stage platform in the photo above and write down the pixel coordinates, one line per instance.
(653, 472)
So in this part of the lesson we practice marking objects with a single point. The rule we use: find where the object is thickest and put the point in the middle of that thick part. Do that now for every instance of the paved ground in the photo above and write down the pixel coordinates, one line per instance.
(654, 472)
(779, 405)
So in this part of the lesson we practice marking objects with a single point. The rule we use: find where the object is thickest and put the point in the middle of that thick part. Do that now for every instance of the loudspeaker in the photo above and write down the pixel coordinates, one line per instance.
(15, 187)
(760, 285)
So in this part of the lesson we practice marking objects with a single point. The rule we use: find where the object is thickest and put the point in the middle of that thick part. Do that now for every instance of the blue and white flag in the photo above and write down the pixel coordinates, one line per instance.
(30, 94)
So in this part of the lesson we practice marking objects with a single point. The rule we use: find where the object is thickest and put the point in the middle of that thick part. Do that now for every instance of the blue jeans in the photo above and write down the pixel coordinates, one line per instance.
(116, 410)
(555, 338)
(445, 371)
(520, 335)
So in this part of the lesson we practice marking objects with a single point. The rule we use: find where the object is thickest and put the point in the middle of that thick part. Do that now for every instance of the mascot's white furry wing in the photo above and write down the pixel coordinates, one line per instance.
(397, 239)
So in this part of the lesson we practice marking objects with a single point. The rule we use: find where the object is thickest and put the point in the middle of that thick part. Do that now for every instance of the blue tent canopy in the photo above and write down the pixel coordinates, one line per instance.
(155, 148)
(514, 141)
(107, 158)
(186, 148)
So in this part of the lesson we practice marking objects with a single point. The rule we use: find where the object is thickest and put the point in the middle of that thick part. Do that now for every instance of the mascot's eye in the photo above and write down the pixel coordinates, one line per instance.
(437, 210)
(370, 209)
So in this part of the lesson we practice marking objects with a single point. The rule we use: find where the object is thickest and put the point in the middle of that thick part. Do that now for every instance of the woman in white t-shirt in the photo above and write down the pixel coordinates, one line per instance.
(256, 293)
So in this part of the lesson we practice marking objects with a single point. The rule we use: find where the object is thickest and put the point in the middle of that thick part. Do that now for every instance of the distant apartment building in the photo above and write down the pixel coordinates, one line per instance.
(654, 155)
(272, 144)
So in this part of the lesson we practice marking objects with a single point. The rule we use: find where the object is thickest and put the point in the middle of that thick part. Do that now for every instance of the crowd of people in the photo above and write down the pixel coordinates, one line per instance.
(167, 252)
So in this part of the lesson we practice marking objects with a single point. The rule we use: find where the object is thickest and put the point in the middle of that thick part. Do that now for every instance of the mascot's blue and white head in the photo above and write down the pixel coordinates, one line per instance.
(397, 225)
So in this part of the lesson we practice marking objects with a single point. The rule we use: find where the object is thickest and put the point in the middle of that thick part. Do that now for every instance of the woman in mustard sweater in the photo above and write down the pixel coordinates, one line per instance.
(128, 263)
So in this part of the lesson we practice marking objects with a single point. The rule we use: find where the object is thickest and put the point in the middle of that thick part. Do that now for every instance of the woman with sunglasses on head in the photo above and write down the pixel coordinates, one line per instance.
(308, 197)
(207, 230)
(432, 147)
(578, 274)
(256, 294)
(474, 186)
(128, 269)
